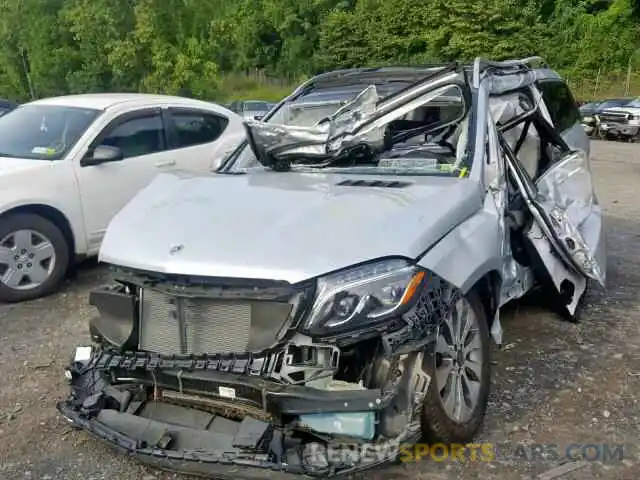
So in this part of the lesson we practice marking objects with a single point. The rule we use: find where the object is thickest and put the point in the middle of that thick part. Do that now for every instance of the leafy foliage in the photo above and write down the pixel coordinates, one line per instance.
(220, 49)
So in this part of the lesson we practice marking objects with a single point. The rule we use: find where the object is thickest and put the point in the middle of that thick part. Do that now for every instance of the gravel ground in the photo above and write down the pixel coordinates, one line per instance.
(554, 382)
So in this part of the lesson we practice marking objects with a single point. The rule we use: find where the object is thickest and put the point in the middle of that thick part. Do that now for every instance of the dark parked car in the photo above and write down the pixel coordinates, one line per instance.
(6, 106)
(588, 109)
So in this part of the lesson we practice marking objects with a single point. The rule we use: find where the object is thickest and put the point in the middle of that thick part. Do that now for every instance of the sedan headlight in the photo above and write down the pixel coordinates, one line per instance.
(362, 296)
(588, 119)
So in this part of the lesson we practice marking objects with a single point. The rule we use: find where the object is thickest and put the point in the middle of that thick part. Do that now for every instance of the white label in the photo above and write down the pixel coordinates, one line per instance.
(83, 354)
(43, 151)
(227, 392)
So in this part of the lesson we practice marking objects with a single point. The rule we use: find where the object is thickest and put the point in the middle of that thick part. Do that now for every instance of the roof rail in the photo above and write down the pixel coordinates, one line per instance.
(480, 65)
(382, 68)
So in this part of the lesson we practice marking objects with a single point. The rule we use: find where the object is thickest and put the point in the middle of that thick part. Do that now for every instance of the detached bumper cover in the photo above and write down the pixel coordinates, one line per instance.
(220, 466)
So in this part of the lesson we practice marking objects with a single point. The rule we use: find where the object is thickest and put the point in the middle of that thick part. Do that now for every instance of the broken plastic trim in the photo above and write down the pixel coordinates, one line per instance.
(181, 443)
(221, 464)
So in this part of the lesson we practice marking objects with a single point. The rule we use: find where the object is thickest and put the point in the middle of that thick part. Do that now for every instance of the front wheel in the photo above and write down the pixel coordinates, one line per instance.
(460, 371)
(34, 257)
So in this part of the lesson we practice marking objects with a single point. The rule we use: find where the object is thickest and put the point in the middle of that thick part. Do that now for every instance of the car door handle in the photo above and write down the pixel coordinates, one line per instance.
(165, 163)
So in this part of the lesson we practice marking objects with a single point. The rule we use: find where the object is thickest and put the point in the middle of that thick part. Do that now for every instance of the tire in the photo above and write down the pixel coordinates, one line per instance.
(438, 426)
(47, 277)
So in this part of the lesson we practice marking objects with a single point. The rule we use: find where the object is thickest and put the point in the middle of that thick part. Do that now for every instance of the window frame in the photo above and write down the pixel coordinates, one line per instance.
(556, 82)
(124, 118)
(172, 133)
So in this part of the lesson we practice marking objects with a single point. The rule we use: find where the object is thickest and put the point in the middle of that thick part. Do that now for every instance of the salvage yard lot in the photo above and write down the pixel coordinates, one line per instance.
(554, 382)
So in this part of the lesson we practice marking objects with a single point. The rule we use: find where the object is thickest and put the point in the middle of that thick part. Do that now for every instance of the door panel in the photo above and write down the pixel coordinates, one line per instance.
(557, 271)
(200, 139)
(568, 229)
(566, 194)
(107, 187)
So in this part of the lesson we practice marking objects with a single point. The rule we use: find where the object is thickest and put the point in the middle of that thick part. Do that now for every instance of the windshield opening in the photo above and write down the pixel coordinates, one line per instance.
(43, 132)
(426, 135)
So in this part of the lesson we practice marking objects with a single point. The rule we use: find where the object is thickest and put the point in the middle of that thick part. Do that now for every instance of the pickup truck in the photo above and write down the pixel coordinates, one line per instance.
(620, 122)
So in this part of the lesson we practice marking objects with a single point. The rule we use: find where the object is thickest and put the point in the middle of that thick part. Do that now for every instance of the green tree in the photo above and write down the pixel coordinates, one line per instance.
(213, 47)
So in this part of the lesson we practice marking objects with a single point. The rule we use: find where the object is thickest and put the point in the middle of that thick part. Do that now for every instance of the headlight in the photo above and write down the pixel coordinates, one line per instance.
(363, 295)
(588, 119)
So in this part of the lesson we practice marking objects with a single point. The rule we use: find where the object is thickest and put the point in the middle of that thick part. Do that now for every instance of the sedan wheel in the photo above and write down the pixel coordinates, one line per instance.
(460, 369)
(27, 259)
(33, 257)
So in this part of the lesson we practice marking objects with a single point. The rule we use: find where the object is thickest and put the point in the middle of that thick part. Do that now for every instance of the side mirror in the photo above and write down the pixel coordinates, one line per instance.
(102, 154)
(258, 117)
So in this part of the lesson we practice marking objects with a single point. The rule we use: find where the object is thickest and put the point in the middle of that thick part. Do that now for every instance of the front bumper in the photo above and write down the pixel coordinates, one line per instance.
(157, 441)
(222, 466)
(619, 129)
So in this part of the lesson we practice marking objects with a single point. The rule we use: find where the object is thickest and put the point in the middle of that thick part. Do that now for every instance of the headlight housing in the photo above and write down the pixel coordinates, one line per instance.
(588, 119)
(363, 296)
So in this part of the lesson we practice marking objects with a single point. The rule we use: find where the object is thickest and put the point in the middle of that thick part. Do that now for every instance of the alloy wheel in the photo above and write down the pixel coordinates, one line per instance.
(459, 362)
(27, 259)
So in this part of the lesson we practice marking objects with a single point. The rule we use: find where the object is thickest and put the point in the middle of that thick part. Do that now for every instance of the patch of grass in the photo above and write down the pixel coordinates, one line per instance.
(254, 86)
(613, 85)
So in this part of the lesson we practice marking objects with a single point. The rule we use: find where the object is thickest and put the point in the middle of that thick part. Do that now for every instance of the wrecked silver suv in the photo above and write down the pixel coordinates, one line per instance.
(330, 293)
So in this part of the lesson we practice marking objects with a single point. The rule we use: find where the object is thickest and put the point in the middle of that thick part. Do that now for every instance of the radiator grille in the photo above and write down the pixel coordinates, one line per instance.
(615, 117)
(172, 325)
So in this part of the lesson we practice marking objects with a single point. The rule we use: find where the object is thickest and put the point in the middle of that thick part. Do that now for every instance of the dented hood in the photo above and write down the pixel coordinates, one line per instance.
(281, 226)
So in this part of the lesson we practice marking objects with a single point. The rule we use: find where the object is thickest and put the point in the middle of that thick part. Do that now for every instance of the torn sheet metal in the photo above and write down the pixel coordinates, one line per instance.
(312, 142)
(516, 278)
(559, 243)
(558, 272)
(362, 122)
(499, 85)
(496, 328)
(566, 193)
(289, 140)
